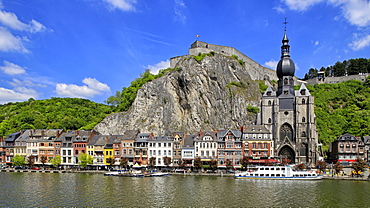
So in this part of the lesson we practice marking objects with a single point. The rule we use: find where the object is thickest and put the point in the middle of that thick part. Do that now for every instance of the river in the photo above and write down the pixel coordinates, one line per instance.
(96, 190)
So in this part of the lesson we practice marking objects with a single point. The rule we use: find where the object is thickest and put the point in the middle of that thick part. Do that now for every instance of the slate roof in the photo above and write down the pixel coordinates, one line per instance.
(223, 133)
(12, 137)
(255, 129)
(188, 141)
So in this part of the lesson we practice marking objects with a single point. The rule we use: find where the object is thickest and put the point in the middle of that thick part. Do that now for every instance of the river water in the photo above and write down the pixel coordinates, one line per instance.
(96, 190)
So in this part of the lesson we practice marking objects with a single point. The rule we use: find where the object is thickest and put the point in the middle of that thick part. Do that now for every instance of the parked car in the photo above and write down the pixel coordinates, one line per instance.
(35, 168)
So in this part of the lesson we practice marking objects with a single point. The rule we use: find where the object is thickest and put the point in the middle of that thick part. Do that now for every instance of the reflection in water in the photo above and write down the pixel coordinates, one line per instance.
(96, 190)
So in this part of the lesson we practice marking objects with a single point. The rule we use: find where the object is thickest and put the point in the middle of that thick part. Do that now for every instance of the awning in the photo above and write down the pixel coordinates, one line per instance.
(347, 160)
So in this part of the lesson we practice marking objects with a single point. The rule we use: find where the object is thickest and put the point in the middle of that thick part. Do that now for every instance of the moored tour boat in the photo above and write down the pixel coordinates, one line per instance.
(278, 172)
(159, 174)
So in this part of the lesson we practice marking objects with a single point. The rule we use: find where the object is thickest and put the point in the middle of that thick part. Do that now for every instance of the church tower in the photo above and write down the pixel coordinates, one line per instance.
(289, 115)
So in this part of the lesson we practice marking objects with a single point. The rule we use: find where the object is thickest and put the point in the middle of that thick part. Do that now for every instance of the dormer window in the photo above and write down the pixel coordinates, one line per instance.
(268, 93)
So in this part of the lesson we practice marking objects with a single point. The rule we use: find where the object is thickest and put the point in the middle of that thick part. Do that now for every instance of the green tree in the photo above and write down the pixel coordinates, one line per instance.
(167, 161)
(337, 167)
(197, 163)
(244, 162)
(56, 161)
(18, 160)
(301, 166)
(111, 161)
(43, 160)
(123, 162)
(31, 160)
(358, 166)
(321, 165)
(229, 164)
(182, 164)
(213, 164)
(85, 159)
(152, 162)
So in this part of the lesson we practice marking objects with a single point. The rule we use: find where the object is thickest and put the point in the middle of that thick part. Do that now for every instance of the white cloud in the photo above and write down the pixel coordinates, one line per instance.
(7, 96)
(27, 83)
(317, 43)
(357, 12)
(12, 69)
(279, 9)
(96, 85)
(360, 42)
(158, 66)
(271, 64)
(124, 5)
(93, 87)
(10, 20)
(300, 5)
(9, 42)
(178, 9)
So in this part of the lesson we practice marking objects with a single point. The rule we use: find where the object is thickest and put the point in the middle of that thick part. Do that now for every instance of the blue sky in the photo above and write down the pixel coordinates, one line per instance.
(93, 48)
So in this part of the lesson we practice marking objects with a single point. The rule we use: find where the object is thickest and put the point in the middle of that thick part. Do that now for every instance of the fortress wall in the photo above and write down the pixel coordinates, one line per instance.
(333, 80)
(254, 68)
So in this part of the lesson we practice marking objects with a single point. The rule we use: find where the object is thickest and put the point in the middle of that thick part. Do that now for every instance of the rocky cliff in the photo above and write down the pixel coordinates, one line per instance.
(213, 93)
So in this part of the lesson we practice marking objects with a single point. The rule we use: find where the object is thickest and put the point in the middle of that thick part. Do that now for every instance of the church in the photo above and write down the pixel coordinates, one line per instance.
(289, 115)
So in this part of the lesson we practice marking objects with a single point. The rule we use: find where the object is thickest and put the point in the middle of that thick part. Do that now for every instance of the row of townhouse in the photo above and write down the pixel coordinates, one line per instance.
(348, 148)
(139, 148)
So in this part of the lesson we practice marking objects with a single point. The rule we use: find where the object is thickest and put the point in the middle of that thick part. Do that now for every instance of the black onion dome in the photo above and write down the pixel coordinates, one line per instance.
(285, 67)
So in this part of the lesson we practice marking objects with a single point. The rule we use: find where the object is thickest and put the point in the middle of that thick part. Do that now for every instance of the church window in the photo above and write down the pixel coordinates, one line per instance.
(285, 81)
(291, 81)
(268, 93)
(304, 134)
(269, 103)
(286, 113)
(269, 120)
(304, 119)
(286, 131)
(303, 92)
(303, 101)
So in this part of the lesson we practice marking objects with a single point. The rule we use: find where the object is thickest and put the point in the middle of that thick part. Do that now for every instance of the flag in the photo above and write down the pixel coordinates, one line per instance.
(198, 36)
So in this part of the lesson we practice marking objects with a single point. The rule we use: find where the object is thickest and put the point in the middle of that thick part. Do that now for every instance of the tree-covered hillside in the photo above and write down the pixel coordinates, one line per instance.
(342, 108)
(350, 67)
(54, 113)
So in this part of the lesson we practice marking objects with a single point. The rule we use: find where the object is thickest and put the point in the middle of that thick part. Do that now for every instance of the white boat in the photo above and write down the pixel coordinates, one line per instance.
(113, 173)
(159, 174)
(278, 172)
(137, 173)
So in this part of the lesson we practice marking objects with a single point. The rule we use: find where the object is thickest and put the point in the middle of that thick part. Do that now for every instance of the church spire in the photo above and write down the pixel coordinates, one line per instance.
(286, 66)
(285, 47)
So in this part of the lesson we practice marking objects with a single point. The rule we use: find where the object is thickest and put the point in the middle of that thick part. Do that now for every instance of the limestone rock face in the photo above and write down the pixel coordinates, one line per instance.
(210, 95)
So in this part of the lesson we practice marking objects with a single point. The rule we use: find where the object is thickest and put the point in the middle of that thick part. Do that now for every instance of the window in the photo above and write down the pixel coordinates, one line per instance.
(269, 120)
(303, 101)
(269, 103)
(304, 134)
(304, 119)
